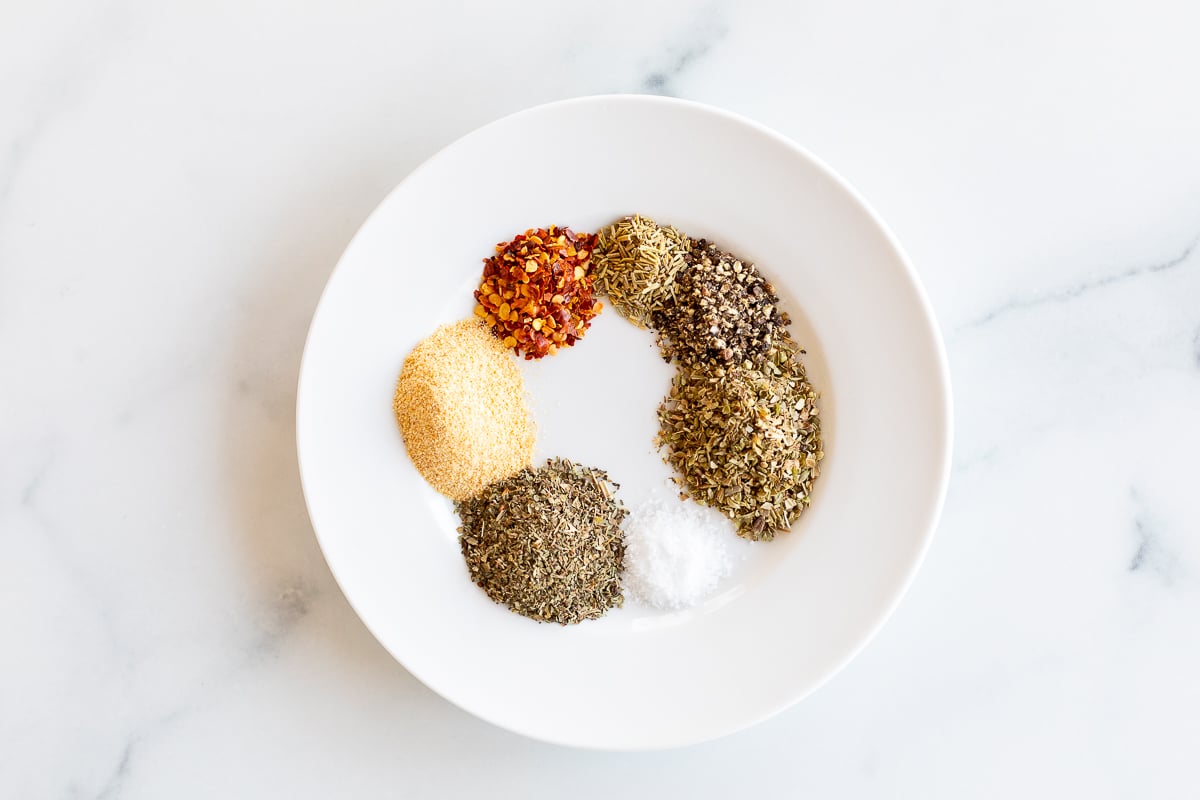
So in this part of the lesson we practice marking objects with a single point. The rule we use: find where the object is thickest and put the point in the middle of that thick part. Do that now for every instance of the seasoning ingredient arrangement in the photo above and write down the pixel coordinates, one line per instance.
(740, 425)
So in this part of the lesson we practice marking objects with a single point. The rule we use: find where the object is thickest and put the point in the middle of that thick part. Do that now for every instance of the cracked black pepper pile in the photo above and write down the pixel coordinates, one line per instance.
(722, 312)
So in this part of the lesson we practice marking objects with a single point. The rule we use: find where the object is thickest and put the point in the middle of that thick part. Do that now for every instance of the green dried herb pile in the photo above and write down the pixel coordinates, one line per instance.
(547, 542)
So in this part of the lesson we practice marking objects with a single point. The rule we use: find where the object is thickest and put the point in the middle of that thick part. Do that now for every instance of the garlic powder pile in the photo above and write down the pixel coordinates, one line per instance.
(676, 553)
(460, 404)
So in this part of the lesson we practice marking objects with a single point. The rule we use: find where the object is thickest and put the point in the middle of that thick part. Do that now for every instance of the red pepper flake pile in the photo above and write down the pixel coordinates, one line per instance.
(537, 291)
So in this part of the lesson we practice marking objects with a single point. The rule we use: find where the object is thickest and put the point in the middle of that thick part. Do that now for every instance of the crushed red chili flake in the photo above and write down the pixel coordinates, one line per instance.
(537, 291)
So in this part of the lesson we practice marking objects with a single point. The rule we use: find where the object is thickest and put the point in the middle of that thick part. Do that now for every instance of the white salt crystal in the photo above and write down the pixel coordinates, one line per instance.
(676, 553)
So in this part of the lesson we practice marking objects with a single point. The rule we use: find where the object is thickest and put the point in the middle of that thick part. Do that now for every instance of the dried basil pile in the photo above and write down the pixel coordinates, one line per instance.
(547, 542)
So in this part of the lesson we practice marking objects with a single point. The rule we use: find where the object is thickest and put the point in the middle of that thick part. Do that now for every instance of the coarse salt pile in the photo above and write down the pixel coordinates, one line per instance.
(675, 553)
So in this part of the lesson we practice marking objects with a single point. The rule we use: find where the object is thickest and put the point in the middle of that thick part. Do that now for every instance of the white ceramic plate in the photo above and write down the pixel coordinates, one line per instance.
(797, 609)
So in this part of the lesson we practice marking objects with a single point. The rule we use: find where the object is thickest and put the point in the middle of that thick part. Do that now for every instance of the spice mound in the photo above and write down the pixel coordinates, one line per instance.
(547, 542)
(675, 553)
(537, 291)
(637, 262)
(724, 312)
(745, 441)
(460, 404)
(740, 425)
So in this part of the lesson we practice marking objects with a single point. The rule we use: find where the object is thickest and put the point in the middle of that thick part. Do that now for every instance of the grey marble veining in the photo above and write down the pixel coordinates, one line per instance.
(696, 39)
(1075, 290)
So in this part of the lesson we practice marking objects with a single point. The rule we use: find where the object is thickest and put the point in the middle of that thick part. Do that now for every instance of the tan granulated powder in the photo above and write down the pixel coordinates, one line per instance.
(460, 404)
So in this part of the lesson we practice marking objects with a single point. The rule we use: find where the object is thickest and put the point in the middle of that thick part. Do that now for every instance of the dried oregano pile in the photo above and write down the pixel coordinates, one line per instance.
(741, 424)
(547, 542)
(746, 441)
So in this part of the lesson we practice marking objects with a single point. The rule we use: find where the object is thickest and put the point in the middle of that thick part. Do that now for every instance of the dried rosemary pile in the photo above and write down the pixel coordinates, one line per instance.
(460, 404)
(746, 440)
(636, 264)
(547, 542)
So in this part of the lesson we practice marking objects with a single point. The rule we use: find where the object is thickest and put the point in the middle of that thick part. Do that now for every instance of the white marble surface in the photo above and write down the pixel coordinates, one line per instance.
(176, 182)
